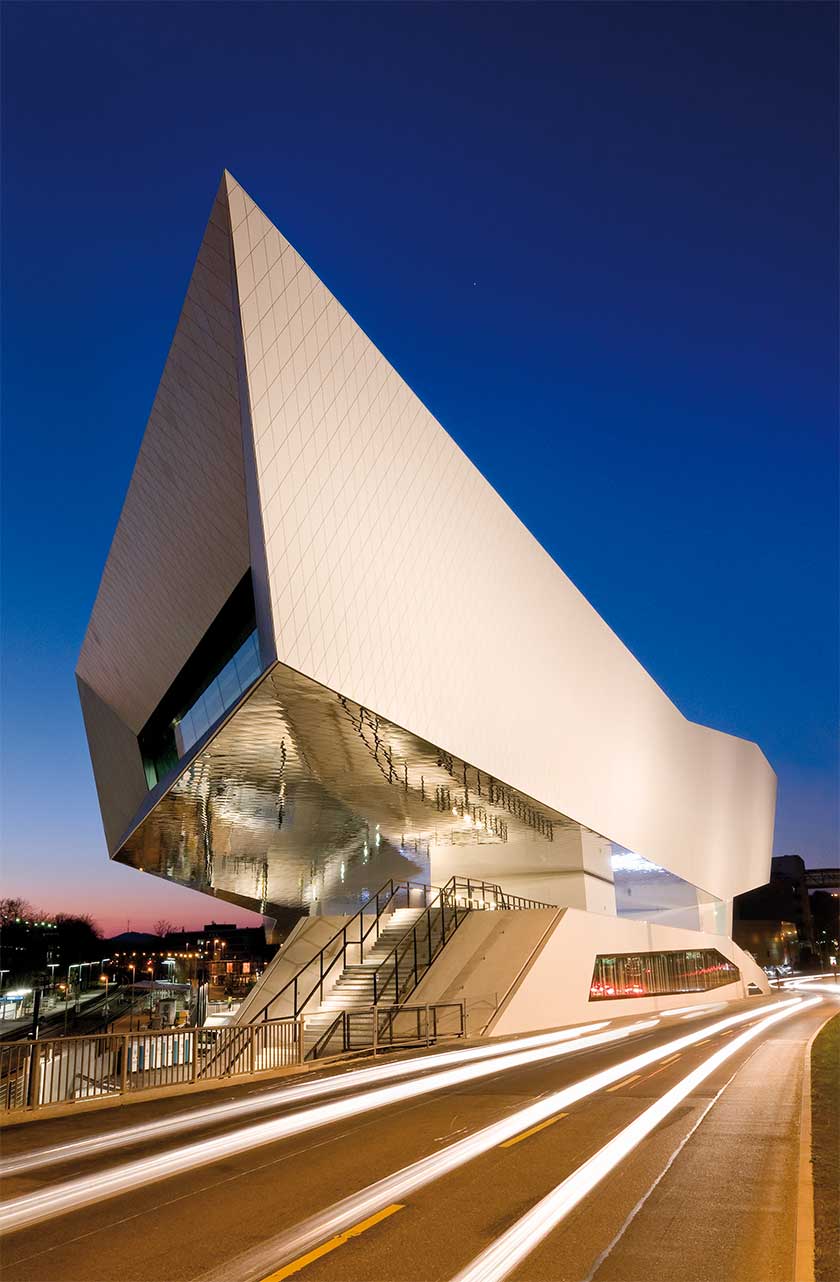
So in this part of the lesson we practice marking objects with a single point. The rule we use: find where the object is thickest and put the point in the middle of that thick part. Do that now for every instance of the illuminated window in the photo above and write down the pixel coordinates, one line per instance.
(652, 974)
(218, 672)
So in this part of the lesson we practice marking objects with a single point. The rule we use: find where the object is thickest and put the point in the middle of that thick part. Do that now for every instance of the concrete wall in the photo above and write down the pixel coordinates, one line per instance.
(553, 988)
(482, 961)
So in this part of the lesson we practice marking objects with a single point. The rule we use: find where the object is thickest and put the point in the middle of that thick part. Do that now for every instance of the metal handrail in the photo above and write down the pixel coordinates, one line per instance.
(479, 894)
(63, 1070)
(448, 899)
(502, 898)
(389, 968)
(344, 1021)
(389, 891)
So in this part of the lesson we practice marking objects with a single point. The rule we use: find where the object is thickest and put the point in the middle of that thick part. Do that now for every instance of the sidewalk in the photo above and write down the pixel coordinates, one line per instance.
(733, 1187)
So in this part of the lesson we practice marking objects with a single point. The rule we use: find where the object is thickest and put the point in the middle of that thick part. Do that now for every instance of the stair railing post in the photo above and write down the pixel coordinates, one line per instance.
(300, 1020)
(375, 1031)
(34, 1074)
(124, 1065)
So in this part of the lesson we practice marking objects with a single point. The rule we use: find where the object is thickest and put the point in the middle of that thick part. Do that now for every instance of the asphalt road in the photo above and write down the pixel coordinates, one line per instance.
(702, 1198)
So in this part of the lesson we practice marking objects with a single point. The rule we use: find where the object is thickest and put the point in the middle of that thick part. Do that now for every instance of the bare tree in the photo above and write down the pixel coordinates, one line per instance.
(11, 908)
(163, 927)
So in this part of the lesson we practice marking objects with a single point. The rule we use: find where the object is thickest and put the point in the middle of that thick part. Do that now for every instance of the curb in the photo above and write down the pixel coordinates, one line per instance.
(804, 1247)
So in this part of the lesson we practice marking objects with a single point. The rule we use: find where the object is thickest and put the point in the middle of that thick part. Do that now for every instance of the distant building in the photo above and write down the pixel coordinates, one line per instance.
(228, 957)
(771, 943)
(825, 914)
(785, 901)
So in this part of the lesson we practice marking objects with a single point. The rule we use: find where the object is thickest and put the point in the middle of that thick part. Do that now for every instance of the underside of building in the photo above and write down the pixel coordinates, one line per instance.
(325, 657)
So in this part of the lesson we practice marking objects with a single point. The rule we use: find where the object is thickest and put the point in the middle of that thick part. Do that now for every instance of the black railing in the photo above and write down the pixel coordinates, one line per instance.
(387, 1028)
(398, 974)
(487, 894)
(361, 931)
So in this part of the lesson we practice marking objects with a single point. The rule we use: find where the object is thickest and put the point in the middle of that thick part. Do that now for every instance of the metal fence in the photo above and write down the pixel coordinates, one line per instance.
(383, 1028)
(63, 1070)
(68, 1070)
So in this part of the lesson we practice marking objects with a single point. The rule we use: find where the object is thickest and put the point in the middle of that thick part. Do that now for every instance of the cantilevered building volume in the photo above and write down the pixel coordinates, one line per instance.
(324, 653)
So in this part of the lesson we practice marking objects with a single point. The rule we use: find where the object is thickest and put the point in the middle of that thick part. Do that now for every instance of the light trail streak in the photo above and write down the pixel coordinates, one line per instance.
(16, 1213)
(509, 1250)
(834, 989)
(284, 1096)
(255, 1263)
(699, 1008)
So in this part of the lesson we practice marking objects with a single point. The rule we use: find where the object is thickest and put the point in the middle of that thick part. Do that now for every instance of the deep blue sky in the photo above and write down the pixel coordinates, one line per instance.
(598, 241)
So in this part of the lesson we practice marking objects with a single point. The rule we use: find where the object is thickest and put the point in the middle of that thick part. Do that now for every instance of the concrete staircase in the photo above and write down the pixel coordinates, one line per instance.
(353, 990)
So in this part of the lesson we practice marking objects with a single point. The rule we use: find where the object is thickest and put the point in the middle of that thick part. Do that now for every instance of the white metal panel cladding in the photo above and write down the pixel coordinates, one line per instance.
(401, 579)
(397, 577)
(181, 544)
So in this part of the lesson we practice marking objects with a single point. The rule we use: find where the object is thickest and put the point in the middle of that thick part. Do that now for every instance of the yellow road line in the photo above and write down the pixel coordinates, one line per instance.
(626, 1082)
(334, 1242)
(533, 1130)
(662, 1067)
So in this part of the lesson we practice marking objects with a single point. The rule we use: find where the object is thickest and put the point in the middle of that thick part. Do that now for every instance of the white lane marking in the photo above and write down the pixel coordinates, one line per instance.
(666, 1168)
(254, 1263)
(57, 1199)
(519, 1241)
(284, 1095)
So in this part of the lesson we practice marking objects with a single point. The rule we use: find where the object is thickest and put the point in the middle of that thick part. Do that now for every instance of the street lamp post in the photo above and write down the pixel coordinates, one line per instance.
(73, 966)
(107, 1010)
(133, 969)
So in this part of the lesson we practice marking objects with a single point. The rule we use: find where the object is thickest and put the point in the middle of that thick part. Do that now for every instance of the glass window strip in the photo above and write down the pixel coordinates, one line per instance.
(660, 974)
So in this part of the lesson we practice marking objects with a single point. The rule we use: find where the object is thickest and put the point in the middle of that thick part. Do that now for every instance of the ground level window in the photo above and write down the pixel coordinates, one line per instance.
(652, 974)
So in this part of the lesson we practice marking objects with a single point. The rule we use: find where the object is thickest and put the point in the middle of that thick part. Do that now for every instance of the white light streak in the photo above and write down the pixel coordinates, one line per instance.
(509, 1250)
(73, 1194)
(397, 1187)
(283, 1096)
(699, 1008)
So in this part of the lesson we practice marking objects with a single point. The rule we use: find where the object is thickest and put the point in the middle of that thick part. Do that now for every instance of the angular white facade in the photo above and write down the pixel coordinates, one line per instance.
(386, 571)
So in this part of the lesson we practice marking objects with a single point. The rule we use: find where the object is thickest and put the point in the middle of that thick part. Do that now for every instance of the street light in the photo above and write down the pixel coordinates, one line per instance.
(132, 968)
(104, 979)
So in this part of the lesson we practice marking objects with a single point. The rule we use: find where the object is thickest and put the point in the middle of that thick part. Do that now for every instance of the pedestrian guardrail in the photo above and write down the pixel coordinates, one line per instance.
(62, 1070)
(381, 1028)
(72, 1070)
